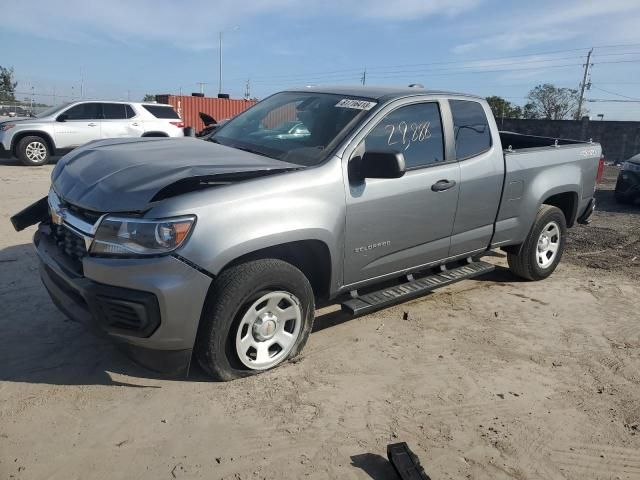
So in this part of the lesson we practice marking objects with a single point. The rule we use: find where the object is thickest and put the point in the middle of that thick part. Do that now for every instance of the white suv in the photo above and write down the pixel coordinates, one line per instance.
(61, 129)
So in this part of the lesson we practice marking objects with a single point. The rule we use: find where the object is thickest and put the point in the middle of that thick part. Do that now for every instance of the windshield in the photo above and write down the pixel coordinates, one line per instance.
(296, 127)
(50, 110)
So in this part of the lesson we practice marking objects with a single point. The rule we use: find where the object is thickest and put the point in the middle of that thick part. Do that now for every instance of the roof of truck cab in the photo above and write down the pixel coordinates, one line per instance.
(378, 93)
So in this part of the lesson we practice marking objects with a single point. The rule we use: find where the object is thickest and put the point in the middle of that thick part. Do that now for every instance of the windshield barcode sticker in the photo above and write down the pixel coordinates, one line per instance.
(356, 104)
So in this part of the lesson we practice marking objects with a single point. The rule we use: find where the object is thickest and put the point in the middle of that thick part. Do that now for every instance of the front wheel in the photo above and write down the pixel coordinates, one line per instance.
(258, 315)
(542, 249)
(33, 151)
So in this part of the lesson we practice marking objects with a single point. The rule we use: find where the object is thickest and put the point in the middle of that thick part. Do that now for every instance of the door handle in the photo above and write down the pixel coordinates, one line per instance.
(93, 124)
(134, 124)
(442, 185)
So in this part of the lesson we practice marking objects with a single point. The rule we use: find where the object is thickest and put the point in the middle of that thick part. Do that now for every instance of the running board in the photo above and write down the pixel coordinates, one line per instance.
(414, 288)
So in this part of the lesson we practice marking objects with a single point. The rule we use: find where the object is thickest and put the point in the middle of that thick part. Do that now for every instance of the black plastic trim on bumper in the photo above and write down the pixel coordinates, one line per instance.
(585, 218)
(4, 153)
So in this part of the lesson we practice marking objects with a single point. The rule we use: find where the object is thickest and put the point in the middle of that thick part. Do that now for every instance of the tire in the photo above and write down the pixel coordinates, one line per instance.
(226, 335)
(33, 151)
(532, 264)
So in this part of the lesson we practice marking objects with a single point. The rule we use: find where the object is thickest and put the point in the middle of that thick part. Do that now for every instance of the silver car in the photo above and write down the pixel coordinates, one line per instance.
(61, 129)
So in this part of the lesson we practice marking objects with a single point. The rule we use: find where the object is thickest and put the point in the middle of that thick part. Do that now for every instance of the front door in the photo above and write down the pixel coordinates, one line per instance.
(398, 224)
(78, 125)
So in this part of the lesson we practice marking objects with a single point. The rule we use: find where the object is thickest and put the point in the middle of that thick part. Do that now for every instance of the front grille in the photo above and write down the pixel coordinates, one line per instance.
(70, 243)
(88, 216)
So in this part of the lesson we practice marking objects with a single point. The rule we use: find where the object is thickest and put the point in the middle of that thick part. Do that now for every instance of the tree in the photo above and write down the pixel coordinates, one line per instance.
(553, 103)
(502, 108)
(149, 98)
(530, 111)
(7, 84)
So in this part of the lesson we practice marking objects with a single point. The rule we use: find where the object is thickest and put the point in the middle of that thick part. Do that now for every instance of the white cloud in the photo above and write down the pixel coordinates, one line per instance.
(194, 24)
(514, 40)
(552, 22)
(413, 9)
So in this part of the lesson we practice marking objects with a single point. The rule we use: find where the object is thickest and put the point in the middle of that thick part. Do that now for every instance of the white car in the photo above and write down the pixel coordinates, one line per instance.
(63, 128)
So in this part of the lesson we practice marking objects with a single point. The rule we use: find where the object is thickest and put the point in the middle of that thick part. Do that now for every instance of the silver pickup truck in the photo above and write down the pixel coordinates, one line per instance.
(222, 249)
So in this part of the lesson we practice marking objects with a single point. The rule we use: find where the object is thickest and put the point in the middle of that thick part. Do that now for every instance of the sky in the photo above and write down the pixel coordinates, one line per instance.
(123, 49)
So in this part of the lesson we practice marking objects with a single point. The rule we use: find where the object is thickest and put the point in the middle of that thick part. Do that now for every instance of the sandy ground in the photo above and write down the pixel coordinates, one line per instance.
(488, 379)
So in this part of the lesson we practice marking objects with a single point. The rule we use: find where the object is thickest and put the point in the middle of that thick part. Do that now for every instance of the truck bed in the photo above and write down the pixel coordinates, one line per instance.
(543, 170)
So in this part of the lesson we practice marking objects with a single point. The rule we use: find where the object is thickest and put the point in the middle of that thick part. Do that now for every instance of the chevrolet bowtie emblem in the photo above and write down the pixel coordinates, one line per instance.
(57, 215)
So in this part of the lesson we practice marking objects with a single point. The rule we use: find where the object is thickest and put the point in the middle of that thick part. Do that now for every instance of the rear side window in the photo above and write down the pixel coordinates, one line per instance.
(129, 111)
(470, 127)
(161, 111)
(114, 111)
(414, 130)
(84, 111)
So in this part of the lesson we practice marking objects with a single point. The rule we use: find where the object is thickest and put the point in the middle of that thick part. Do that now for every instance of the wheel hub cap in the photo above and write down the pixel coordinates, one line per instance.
(548, 245)
(268, 330)
(543, 244)
(265, 327)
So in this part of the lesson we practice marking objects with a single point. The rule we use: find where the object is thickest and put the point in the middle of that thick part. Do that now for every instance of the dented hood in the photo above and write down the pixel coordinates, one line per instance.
(123, 175)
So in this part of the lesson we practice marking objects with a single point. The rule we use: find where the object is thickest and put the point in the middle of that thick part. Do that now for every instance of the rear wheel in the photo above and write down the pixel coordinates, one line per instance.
(258, 315)
(542, 249)
(33, 151)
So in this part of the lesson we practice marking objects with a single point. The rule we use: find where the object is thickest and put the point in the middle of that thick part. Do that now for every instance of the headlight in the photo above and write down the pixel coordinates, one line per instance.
(6, 126)
(631, 167)
(137, 236)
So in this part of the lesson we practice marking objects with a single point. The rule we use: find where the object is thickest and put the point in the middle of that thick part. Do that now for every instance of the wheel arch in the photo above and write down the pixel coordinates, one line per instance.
(567, 202)
(32, 133)
(311, 257)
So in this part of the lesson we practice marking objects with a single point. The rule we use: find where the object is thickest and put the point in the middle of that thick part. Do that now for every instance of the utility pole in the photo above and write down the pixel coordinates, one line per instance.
(220, 66)
(363, 78)
(584, 84)
(81, 85)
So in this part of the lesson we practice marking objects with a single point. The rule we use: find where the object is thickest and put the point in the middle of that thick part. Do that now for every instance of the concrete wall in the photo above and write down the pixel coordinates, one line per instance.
(619, 140)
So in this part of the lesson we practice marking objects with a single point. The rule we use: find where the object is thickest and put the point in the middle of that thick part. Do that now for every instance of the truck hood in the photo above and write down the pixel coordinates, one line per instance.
(124, 175)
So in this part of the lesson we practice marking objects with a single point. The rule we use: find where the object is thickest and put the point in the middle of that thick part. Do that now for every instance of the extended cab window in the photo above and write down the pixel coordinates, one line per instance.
(414, 130)
(84, 111)
(114, 111)
(470, 127)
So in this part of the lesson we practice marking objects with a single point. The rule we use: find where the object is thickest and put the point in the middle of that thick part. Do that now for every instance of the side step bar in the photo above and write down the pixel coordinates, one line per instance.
(414, 288)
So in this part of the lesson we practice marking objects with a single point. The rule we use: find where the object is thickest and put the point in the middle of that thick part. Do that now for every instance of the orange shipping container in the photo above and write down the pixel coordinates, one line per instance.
(189, 108)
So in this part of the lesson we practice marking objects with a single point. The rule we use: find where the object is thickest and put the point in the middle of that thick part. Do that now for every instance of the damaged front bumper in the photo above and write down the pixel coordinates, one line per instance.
(149, 306)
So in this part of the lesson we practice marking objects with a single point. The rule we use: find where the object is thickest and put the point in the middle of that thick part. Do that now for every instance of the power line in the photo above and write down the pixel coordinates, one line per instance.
(450, 62)
(616, 94)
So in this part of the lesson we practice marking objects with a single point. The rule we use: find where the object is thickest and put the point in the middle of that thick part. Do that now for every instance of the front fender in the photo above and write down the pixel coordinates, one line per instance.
(239, 219)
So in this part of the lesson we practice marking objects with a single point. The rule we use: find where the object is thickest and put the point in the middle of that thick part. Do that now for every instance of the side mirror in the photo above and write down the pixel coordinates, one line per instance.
(62, 118)
(377, 164)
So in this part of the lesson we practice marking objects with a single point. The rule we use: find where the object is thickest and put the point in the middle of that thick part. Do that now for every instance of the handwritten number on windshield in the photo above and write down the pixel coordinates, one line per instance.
(407, 134)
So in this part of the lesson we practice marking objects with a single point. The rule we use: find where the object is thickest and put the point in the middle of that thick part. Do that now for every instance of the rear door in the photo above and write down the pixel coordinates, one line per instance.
(397, 224)
(78, 125)
(120, 120)
(481, 176)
